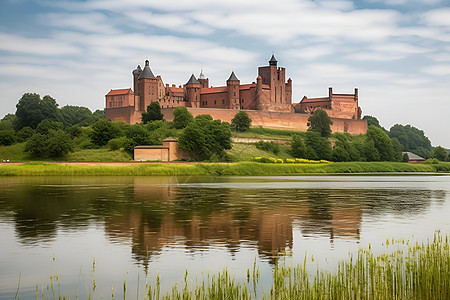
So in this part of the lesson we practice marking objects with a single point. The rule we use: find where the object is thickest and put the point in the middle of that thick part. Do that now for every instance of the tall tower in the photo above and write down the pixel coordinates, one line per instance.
(147, 87)
(274, 77)
(233, 84)
(192, 92)
(203, 80)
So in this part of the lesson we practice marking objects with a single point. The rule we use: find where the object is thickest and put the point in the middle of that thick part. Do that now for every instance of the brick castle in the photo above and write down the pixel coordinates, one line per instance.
(268, 101)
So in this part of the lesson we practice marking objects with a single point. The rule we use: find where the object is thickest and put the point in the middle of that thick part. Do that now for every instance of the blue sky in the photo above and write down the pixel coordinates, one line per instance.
(397, 52)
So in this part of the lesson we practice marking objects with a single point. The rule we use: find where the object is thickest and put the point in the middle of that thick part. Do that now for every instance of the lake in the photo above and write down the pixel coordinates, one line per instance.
(137, 227)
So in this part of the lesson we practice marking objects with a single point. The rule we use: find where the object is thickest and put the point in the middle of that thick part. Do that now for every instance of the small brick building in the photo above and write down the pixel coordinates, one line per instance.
(168, 151)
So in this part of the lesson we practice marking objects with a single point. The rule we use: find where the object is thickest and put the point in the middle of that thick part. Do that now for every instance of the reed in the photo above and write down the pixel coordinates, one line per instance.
(214, 169)
(402, 271)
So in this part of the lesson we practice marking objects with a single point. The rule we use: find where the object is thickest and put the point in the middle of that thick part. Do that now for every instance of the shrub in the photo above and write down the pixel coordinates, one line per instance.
(7, 137)
(268, 146)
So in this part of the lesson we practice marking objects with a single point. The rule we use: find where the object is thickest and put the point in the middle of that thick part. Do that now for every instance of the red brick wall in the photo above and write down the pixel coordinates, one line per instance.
(277, 120)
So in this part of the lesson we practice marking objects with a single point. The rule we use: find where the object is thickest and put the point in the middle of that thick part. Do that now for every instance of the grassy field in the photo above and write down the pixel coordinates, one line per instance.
(17, 152)
(215, 169)
(245, 152)
(405, 270)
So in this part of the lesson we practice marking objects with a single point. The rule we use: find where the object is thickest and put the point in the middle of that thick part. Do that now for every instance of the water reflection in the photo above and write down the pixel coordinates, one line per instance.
(153, 213)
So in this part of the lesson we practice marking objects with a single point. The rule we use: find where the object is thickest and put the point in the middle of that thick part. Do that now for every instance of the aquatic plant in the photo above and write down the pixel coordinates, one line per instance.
(402, 271)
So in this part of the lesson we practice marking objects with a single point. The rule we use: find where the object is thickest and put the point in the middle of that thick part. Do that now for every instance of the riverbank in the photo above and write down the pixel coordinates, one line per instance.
(212, 169)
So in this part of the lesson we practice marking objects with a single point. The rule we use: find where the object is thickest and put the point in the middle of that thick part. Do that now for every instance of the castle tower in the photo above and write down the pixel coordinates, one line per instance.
(192, 92)
(233, 84)
(274, 77)
(203, 80)
(136, 73)
(147, 88)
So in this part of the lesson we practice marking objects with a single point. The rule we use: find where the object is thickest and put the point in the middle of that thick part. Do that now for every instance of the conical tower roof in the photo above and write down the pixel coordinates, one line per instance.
(233, 77)
(273, 61)
(147, 73)
(193, 80)
(137, 71)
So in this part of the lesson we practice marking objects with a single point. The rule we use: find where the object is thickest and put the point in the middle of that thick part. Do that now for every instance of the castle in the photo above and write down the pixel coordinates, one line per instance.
(268, 101)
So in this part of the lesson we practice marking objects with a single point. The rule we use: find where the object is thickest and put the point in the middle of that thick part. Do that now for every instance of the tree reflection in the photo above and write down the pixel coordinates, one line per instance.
(154, 212)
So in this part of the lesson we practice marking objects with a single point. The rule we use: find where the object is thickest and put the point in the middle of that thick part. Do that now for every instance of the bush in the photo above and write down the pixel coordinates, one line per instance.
(268, 146)
(56, 143)
(103, 131)
(116, 143)
(7, 137)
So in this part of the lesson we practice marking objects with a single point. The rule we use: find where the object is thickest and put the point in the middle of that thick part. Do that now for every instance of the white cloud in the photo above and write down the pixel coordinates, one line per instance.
(85, 22)
(437, 17)
(36, 46)
(439, 70)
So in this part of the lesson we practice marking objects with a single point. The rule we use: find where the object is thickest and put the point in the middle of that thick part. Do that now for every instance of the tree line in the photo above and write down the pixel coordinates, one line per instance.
(50, 131)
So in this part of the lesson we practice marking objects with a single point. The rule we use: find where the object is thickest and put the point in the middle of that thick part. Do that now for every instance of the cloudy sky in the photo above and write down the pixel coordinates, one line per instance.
(397, 52)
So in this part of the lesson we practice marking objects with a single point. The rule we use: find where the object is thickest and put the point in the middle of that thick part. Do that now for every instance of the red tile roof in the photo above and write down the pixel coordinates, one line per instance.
(119, 92)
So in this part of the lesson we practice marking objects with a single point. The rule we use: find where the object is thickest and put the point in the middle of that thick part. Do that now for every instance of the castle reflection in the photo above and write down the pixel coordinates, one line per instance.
(196, 213)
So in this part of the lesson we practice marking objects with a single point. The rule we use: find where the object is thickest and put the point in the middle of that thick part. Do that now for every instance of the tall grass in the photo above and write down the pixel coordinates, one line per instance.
(402, 271)
(215, 169)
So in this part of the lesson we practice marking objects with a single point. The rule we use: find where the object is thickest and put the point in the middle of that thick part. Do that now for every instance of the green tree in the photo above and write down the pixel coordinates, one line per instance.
(24, 134)
(317, 147)
(103, 131)
(381, 142)
(31, 110)
(298, 148)
(440, 153)
(46, 125)
(153, 113)
(138, 135)
(412, 139)
(340, 154)
(73, 115)
(320, 122)
(7, 137)
(205, 138)
(56, 143)
(241, 121)
(181, 117)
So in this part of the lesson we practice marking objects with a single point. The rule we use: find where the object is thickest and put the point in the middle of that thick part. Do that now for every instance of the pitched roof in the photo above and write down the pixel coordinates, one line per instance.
(211, 90)
(233, 77)
(147, 73)
(412, 156)
(119, 92)
(193, 80)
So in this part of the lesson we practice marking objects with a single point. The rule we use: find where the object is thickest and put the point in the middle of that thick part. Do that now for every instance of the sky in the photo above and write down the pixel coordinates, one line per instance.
(396, 52)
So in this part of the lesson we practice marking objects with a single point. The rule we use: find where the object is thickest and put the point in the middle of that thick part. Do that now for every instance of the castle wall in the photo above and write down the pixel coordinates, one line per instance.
(276, 120)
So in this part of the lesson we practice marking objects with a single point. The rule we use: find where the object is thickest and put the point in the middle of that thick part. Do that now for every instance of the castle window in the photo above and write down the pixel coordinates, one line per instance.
(215, 102)
(206, 102)
(223, 101)
(234, 94)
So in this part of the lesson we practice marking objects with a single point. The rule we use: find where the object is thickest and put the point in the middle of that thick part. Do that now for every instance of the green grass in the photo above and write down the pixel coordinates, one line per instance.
(259, 132)
(213, 169)
(98, 155)
(17, 152)
(245, 152)
(402, 271)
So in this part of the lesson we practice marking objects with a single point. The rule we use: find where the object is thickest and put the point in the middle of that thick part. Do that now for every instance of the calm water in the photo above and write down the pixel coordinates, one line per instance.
(141, 226)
